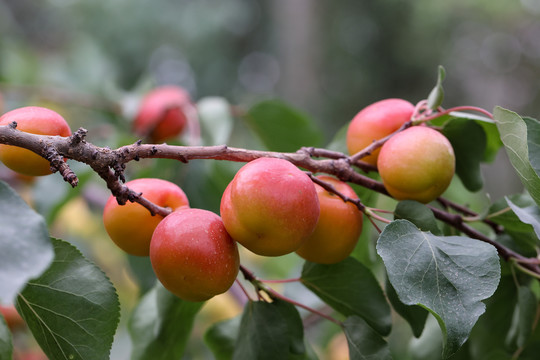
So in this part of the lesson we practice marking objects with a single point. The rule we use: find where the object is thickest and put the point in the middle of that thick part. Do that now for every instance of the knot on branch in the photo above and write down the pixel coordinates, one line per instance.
(119, 171)
(13, 125)
(59, 164)
(78, 136)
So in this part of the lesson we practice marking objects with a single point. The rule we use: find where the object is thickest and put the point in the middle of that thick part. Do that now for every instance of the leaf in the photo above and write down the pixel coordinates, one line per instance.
(161, 324)
(25, 248)
(351, 289)
(529, 215)
(142, 271)
(533, 142)
(526, 309)
(436, 96)
(517, 233)
(469, 142)
(513, 130)
(364, 343)
(449, 276)
(419, 214)
(282, 128)
(6, 345)
(265, 331)
(493, 139)
(415, 315)
(216, 120)
(72, 309)
(221, 337)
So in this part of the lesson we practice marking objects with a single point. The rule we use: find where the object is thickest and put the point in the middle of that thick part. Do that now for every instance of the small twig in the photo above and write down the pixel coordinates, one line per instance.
(377, 144)
(259, 286)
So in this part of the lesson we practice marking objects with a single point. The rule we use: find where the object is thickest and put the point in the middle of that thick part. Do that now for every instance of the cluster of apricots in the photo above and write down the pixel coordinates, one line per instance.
(414, 164)
(271, 207)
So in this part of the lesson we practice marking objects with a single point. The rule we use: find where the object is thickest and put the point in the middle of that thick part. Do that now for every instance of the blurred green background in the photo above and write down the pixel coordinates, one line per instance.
(328, 59)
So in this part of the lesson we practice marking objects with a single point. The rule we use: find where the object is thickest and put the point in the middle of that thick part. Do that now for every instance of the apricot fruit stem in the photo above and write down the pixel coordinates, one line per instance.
(429, 115)
(259, 286)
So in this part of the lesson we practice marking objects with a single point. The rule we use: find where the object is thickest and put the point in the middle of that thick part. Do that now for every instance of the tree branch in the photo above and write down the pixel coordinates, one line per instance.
(109, 165)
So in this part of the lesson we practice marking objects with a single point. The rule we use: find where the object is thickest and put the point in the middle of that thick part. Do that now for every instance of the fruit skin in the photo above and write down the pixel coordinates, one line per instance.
(161, 115)
(130, 226)
(375, 122)
(35, 120)
(193, 256)
(417, 164)
(270, 207)
(13, 319)
(338, 228)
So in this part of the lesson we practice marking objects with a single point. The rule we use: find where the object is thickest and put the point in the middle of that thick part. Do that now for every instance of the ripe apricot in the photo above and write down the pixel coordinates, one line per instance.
(270, 207)
(375, 122)
(161, 115)
(417, 164)
(193, 256)
(35, 120)
(338, 228)
(130, 226)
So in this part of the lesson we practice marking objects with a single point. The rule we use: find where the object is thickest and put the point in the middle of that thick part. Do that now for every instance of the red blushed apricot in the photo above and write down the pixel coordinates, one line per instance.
(130, 226)
(338, 228)
(161, 115)
(270, 207)
(35, 120)
(193, 256)
(417, 164)
(375, 122)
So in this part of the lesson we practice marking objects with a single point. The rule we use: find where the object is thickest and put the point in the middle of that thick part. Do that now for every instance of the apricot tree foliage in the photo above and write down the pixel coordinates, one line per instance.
(476, 273)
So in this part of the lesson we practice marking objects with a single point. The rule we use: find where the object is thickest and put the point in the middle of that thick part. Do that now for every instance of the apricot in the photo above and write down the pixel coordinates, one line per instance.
(161, 115)
(338, 228)
(193, 256)
(270, 207)
(417, 164)
(35, 120)
(130, 226)
(375, 122)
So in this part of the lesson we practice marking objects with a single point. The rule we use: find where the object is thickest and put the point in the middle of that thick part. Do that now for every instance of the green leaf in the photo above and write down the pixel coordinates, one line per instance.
(72, 309)
(415, 315)
(513, 130)
(25, 248)
(529, 215)
(215, 119)
(533, 142)
(526, 311)
(469, 142)
(161, 324)
(6, 345)
(364, 343)
(350, 288)
(266, 332)
(436, 96)
(517, 232)
(142, 271)
(493, 139)
(282, 128)
(449, 276)
(221, 337)
(419, 214)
